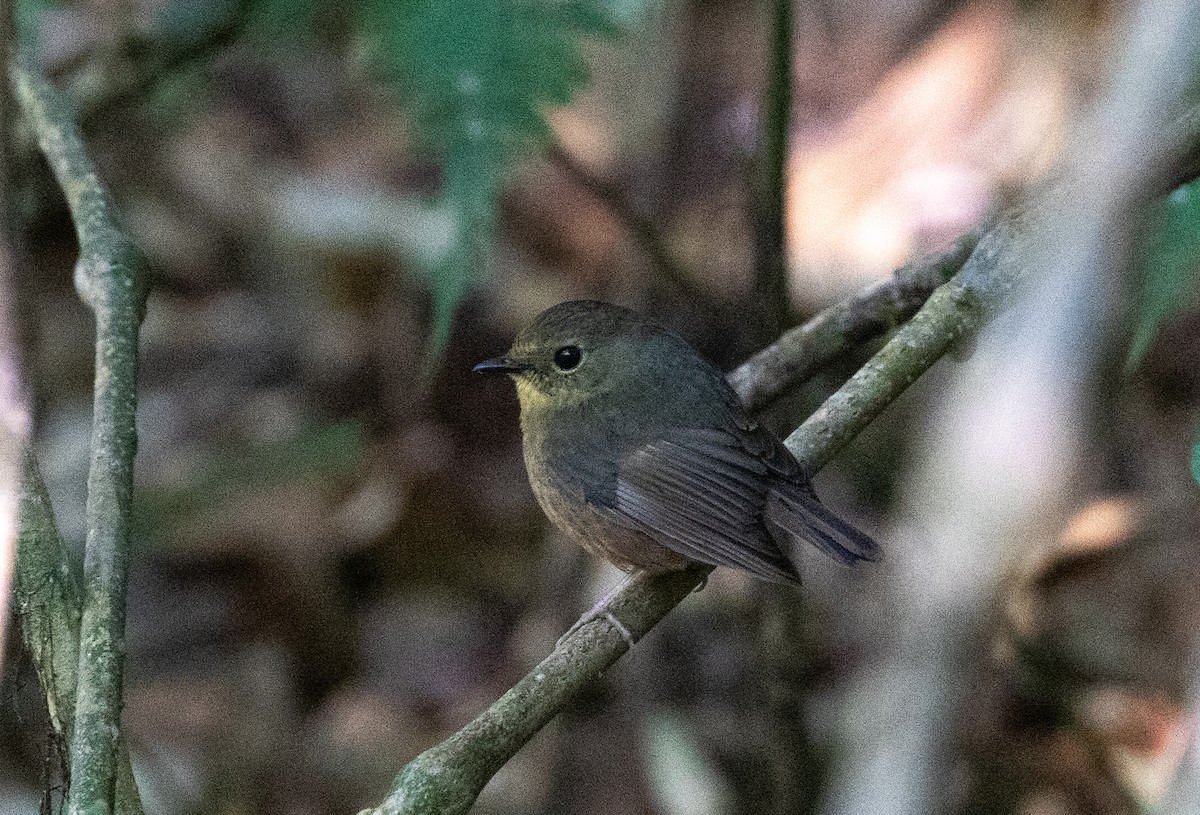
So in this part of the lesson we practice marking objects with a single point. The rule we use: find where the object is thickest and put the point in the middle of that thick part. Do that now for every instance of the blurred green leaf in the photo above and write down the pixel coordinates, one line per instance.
(182, 21)
(273, 21)
(29, 13)
(477, 76)
(1169, 270)
(324, 452)
(1196, 461)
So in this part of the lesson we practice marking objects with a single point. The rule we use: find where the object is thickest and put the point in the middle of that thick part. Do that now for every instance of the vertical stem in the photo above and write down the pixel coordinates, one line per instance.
(793, 768)
(106, 556)
(49, 603)
(770, 262)
(109, 276)
(785, 654)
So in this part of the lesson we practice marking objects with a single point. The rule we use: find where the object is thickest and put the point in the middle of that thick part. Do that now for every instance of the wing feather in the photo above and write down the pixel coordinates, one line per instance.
(701, 494)
(730, 498)
(799, 515)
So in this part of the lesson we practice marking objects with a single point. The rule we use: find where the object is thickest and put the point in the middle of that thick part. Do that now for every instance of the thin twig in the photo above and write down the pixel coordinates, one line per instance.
(794, 774)
(804, 350)
(96, 89)
(645, 232)
(447, 778)
(110, 277)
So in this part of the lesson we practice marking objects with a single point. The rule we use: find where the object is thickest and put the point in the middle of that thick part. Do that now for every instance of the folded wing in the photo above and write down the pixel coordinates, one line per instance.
(729, 498)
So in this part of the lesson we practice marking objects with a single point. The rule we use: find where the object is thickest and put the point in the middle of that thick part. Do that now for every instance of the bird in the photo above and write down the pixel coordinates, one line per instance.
(638, 449)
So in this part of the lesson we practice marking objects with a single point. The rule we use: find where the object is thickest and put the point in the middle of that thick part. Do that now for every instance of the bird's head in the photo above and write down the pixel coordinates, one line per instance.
(580, 351)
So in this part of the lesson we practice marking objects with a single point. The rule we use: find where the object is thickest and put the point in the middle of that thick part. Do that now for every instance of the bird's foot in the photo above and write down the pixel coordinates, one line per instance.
(598, 612)
(621, 629)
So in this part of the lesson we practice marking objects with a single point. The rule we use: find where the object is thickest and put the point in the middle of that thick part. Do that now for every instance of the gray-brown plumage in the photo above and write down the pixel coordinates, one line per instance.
(639, 450)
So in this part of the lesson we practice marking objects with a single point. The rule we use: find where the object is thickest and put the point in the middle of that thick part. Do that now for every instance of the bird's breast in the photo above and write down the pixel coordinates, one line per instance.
(572, 468)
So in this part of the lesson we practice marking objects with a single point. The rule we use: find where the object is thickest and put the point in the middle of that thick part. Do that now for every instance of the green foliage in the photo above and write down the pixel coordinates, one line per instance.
(313, 453)
(1169, 271)
(28, 14)
(476, 76)
(1196, 461)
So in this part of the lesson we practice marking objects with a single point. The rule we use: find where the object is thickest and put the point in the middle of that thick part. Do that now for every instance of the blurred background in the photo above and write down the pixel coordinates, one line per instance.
(338, 559)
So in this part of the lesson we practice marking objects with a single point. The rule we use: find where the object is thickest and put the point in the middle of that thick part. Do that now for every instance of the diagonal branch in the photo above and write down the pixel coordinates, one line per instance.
(833, 332)
(955, 311)
(110, 277)
(447, 778)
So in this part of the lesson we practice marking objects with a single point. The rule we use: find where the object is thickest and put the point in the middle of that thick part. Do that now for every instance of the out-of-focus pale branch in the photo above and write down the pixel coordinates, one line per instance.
(447, 778)
(14, 405)
(1003, 465)
(110, 277)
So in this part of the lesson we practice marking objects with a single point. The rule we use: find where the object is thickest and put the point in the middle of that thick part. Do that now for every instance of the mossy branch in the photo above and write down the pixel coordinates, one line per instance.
(954, 313)
(447, 778)
(49, 604)
(48, 599)
(110, 277)
(802, 351)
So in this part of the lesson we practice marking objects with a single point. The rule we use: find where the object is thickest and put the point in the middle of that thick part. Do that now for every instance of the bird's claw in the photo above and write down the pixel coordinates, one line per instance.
(599, 613)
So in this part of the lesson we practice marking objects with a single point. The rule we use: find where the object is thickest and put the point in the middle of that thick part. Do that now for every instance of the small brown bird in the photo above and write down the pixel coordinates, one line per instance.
(639, 450)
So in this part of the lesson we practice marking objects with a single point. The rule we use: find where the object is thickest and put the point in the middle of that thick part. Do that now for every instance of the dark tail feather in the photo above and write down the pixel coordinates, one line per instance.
(799, 515)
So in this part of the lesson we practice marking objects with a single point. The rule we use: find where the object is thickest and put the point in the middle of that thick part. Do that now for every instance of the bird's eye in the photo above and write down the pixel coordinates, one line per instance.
(568, 357)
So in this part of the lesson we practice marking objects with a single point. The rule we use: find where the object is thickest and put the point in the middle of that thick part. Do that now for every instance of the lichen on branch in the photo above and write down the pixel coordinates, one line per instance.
(110, 277)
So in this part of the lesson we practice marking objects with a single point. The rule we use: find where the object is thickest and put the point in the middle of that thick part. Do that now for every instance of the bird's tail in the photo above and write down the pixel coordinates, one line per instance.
(796, 514)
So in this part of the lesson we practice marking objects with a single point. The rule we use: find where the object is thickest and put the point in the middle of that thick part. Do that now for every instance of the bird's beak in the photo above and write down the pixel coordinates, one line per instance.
(500, 365)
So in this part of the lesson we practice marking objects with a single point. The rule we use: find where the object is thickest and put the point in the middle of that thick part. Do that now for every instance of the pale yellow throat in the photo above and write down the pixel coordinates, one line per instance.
(533, 399)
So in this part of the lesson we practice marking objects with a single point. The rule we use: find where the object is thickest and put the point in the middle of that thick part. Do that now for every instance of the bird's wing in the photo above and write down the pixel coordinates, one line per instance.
(701, 493)
(792, 512)
(794, 515)
(731, 498)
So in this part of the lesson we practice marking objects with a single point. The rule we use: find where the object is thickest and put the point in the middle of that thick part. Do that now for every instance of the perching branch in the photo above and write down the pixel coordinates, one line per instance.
(110, 277)
(447, 778)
